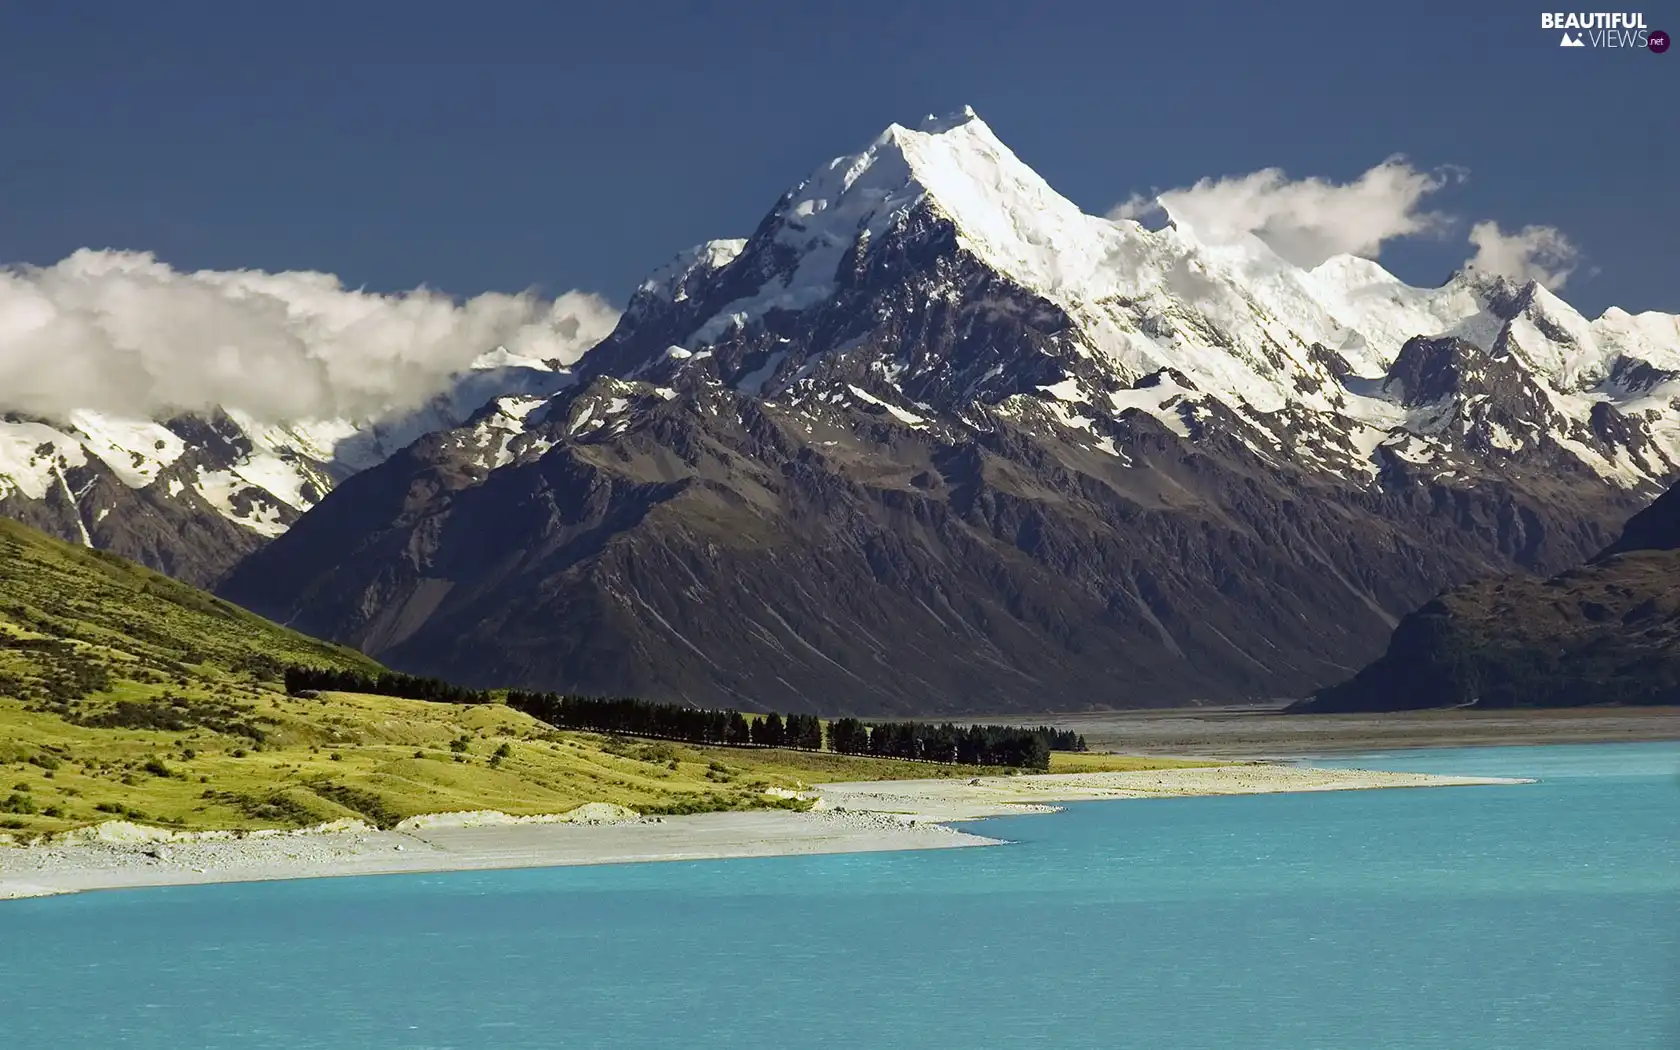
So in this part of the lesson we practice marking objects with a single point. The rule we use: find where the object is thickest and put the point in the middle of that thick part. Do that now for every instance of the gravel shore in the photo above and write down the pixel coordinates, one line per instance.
(847, 818)
(949, 800)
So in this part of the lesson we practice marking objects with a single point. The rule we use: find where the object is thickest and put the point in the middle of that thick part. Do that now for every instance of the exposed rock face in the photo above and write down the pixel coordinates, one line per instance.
(1605, 633)
(932, 441)
(1656, 528)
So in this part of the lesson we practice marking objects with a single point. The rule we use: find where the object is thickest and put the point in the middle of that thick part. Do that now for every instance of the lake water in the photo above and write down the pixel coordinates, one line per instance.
(1527, 918)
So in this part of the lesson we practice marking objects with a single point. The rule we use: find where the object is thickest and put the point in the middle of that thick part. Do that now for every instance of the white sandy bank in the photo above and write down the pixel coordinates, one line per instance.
(1000, 796)
(849, 818)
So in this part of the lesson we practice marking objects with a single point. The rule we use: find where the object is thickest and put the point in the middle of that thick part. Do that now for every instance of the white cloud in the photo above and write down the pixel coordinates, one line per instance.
(121, 332)
(1534, 253)
(1137, 207)
(1304, 220)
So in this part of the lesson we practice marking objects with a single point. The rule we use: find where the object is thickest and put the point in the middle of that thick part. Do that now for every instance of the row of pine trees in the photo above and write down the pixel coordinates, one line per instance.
(975, 745)
(694, 725)
(386, 683)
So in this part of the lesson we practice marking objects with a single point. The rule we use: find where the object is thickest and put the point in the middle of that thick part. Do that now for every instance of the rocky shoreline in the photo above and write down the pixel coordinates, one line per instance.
(845, 818)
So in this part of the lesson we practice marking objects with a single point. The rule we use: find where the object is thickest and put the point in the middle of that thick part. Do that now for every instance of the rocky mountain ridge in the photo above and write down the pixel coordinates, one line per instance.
(931, 439)
(191, 494)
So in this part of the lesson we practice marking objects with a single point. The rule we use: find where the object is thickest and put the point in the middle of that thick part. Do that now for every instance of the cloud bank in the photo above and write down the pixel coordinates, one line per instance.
(1534, 253)
(1309, 220)
(1304, 220)
(121, 332)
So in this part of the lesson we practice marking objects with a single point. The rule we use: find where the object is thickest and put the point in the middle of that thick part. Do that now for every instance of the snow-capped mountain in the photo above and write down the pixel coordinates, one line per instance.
(193, 493)
(1137, 320)
(932, 438)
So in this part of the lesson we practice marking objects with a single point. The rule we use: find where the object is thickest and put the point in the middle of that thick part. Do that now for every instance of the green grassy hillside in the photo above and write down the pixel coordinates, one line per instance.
(127, 695)
(75, 623)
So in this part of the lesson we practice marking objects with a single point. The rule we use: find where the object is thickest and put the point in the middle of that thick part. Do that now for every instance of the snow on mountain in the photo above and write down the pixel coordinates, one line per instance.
(935, 281)
(1276, 346)
(259, 476)
(33, 455)
(670, 283)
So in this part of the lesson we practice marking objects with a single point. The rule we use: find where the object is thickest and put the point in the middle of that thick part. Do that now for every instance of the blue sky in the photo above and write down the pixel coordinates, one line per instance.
(491, 145)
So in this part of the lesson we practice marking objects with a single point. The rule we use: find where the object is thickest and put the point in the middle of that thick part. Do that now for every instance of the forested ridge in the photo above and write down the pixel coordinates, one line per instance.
(979, 745)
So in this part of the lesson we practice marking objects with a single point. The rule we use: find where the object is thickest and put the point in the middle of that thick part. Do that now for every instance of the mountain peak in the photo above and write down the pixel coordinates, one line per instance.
(940, 224)
(1003, 210)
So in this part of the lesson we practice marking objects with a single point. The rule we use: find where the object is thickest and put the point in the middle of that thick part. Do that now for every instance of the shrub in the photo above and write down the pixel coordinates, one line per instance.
(279, 807)
(18, 803)
(364, 802)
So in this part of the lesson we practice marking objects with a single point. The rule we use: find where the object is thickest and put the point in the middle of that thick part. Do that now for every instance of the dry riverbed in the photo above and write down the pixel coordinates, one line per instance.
(846, 818)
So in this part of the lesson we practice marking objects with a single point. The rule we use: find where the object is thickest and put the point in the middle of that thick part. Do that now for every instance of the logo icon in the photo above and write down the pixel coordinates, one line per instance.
(1571, 41)
(1657, 41)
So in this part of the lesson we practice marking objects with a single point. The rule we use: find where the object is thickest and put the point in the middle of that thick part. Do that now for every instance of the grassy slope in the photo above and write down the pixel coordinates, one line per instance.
(124, 693)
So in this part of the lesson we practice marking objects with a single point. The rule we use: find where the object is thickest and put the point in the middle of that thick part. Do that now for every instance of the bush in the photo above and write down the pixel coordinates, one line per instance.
(18, 803)
(176, 715)
(366, 803)
(279, 807)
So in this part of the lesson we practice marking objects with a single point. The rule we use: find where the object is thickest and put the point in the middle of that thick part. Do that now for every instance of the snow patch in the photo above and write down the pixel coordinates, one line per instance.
(219, 489)
(1066, 390)
(900, 414)
(136, 451)
(31, 455)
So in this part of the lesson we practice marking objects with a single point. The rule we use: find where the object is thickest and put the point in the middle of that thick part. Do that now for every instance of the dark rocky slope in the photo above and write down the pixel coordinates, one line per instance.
(1605, 633)
(724, 550)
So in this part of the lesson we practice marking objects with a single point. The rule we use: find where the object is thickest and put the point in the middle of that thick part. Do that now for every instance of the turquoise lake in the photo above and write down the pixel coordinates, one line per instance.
(1543, 917)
